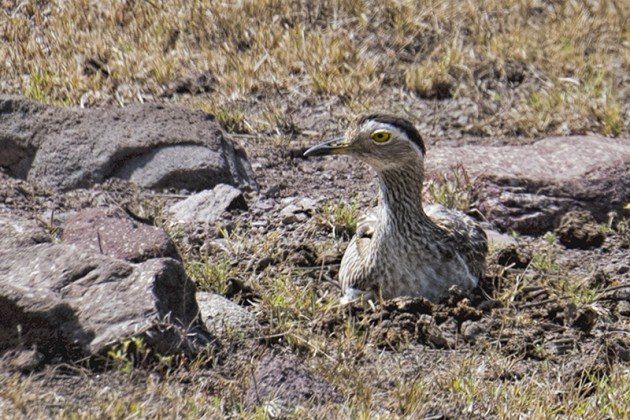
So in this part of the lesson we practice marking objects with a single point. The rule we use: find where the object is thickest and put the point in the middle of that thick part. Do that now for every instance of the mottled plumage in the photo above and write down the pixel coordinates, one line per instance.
(402, 248)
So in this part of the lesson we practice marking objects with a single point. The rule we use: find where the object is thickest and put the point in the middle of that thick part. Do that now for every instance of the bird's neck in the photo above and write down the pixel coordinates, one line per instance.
(400, 198)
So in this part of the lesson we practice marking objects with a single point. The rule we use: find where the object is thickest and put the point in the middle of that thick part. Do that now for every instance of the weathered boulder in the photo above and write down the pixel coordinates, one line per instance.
(528, 188)
(154, 145)
(69, 302)
(111, 232)
(281, 382)
(207, 206)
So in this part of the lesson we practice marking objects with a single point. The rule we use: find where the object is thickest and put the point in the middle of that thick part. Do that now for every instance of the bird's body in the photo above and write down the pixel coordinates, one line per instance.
(401, 248)
(425, 259)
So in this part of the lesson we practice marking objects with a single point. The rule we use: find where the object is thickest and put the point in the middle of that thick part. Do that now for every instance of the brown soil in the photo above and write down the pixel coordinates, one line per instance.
(552, 312)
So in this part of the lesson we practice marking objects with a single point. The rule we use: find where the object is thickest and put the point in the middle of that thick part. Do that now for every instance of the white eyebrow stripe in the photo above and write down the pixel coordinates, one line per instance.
(375, 125)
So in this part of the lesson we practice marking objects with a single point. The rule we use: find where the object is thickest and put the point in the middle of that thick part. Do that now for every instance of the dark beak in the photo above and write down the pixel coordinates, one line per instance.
(332, 147)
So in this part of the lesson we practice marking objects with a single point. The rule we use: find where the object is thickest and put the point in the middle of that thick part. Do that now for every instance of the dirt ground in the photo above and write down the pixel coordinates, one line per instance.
(546, 334)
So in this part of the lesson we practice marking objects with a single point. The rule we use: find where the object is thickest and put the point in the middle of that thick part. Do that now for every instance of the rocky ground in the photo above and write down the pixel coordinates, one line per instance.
(100, 258)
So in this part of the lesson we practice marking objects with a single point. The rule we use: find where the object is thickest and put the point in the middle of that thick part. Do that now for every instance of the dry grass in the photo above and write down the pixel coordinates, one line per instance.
(527, 66)
(468, 385)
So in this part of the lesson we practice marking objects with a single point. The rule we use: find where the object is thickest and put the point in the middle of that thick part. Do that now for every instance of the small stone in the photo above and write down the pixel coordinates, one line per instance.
(472, 330)
(297, 210)
(461, 121)
(224, 317)
(306, 204)
(263, 205)
(207, 206)
(289, 219)
(290, 209)
(499, 240)
(298, 205)
(23, 360)
(286, 382)
(623, 308)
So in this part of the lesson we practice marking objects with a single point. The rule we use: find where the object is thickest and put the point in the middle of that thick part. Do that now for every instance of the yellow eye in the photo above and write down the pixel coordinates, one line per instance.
(381, 136)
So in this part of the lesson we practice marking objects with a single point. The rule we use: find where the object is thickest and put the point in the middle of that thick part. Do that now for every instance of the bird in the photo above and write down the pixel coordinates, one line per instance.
(403, 248)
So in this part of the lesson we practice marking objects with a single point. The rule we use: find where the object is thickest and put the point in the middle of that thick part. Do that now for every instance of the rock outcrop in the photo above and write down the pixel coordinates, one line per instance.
(528, 188)
(70, 301)
(156, 146)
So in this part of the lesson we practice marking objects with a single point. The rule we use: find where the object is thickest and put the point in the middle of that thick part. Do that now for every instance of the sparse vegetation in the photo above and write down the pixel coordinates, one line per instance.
(295, 306)
(341, 217)
(209, 273)
(494, 68)
(453, 191)
(129, 353)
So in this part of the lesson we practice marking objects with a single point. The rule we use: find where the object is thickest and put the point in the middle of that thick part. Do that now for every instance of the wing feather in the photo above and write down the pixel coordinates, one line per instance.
(469, 238)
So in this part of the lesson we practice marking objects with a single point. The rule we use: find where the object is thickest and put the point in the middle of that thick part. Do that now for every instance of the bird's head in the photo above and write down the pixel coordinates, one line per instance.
(381, 140)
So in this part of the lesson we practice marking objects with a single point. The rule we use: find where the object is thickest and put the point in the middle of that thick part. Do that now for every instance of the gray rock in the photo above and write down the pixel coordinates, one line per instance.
(111, 232)
(207, 206)
(153, 145)
(225, 318)
(473, 331)
(22, 360)
(282, 382)
(299, 204)
(296, 210)
(498, 239)
(70, 303)
(528, 188)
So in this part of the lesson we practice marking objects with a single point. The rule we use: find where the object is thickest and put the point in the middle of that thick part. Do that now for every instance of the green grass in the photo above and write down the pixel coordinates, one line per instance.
(341, 217)
(452, 191)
